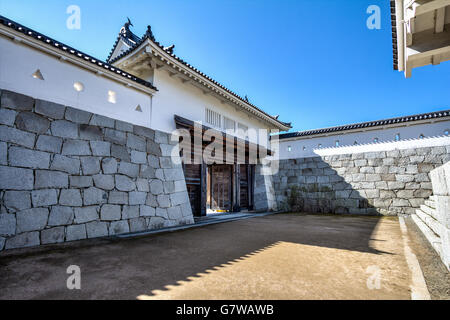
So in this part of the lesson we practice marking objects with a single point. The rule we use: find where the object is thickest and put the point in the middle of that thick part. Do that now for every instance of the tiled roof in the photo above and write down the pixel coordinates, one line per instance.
(418, 117)
(394, 34)
(76, 53)
(169, 50)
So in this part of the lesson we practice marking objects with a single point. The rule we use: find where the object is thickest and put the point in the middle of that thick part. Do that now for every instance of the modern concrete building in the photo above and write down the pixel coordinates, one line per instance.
(420, 33)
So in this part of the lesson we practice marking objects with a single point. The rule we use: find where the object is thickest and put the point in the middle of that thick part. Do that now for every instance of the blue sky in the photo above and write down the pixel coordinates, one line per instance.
(315, 63)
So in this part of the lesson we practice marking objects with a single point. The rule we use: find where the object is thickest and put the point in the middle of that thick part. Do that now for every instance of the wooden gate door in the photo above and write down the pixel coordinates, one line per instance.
(221, 187)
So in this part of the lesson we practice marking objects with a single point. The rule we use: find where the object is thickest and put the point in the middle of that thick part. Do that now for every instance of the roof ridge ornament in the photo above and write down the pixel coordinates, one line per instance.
(149, 33)
(169, 49)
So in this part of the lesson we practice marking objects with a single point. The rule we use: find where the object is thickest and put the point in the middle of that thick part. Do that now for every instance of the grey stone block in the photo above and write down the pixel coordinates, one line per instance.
(90, 133)
(163, 201)
(186, 209)
(173, 174)
(110, 212)
(90, 165)
(70, 198)
(101, 148)
(65, 164)
(156, 223)
(117, 197)
(50, 109)
(93, 196)
(86, 214)
(3, 153)
(120, 152)
(138, 157)
(21, 157)
(151, 200)
(179, 198)
(49, 144)
(153, 148)
(53, 235)
(123, 183)
(116, 137)
(2, 243)
(142, 185)
(119, 227)
(76, 232)
(162, 212)
(101, 121)
(44, 198)
(64, 129)
(16, 178)
(130, 212)
(145, 132)
(78, 116)
(174, 213)
(169, 187)
(147, 172)
(156, 187)
(109, 166)
(166, 162)
(24, 240)
(180, 186)
(32, 122)
(129, 169)
(7, 117)
(13, 100)
(153, 161)
(137, 198)
(138, 225)
(7, 225)
(76, 148)
(161, 137)
(17, 200)
(60, 216)
(32, 219)
(105, 182)
(147, 211)
(18, 137)
(51, 179)
(97, 229)
(159, 174)
(166, 150)
(136, 143)
(404, 178)
(81, 182)
(124, 126)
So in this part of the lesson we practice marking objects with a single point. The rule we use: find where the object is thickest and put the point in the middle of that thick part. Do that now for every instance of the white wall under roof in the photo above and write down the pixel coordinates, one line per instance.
(18, 62)
(183, 99)
(409, 136)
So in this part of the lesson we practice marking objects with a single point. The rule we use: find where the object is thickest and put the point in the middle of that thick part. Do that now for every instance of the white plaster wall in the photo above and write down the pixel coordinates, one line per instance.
(185, 100)
(408, 134)
(18, 62)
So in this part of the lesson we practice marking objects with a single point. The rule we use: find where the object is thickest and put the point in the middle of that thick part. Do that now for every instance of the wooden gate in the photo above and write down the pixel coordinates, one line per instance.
(192, 175)
(221, 187)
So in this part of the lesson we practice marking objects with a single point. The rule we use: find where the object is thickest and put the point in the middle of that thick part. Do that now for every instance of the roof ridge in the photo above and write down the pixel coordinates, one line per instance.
(368, 124)
(70, 50)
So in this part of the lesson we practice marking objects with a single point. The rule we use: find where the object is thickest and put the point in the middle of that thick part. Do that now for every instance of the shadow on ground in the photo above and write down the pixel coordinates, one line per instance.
(277, 257)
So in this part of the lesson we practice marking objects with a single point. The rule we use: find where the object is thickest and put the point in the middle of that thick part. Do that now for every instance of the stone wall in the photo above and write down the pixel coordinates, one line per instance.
(440, 178)
(385, 182)
(67, 174)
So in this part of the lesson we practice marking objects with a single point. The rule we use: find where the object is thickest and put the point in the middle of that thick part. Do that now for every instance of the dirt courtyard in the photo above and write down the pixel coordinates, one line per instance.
(272, 257)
